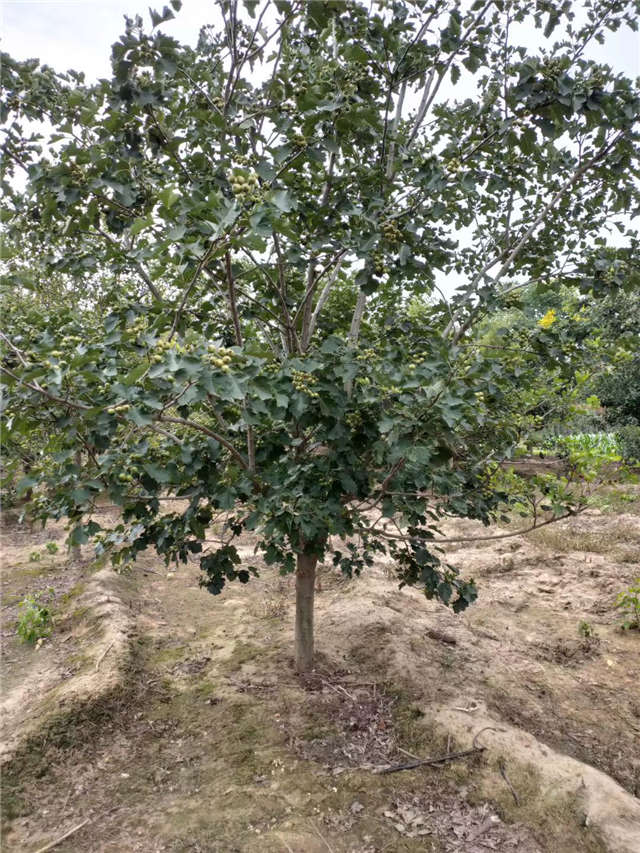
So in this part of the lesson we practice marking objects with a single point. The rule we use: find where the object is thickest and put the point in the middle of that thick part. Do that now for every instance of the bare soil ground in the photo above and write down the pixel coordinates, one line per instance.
(209, 742)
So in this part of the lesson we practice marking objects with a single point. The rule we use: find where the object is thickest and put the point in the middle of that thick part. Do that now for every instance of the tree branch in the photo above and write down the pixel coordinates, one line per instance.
(206, 431)
(136, 264)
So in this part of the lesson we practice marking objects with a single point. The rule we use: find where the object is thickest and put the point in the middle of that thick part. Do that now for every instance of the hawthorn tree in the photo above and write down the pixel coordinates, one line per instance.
(245, 229)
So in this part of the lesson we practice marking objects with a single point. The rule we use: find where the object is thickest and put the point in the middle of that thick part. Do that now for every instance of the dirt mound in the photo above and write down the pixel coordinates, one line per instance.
(593, 797)
(99, 636)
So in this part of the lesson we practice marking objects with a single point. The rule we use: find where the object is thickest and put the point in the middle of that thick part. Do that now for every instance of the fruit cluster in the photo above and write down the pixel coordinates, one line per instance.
(122, 409)
(138, 326)
(597, 80)
(304, 382)
(379, 266)
(368, 355)
(552, 67)
(353, 420)
(161, 348)
(220, 357)
(78, 174)
(299, 139)
(128, 477)
(164, 345)
(453, 165)
(57, 354)
(245, 187)
(390, 231)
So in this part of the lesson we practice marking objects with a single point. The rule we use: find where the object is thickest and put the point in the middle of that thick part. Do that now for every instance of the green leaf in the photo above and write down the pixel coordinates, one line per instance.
(139, 418)
(528, 141)
(282, 200)
(158, 18)
(169, 196)
(140, 224)
(134, 374)
(160, 475)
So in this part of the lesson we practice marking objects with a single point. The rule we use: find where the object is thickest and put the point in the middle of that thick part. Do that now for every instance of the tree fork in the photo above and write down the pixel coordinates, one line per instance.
(305, 591)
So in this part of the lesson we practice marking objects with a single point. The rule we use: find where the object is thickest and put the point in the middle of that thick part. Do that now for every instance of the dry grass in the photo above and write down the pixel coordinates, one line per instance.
(620, 540)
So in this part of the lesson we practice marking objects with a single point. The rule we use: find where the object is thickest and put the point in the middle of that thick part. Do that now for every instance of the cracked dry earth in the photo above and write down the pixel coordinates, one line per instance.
(211, 743)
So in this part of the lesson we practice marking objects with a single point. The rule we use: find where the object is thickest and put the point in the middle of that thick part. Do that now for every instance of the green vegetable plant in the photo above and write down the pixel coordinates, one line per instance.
(35, 619)
(586, 629)
(50, 548)
(629, 602)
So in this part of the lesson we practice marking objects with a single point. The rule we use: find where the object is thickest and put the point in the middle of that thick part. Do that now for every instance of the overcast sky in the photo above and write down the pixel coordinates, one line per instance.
(79, 33)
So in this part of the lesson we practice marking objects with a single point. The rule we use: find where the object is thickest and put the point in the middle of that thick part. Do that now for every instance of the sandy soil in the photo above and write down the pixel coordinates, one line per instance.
(211, 743)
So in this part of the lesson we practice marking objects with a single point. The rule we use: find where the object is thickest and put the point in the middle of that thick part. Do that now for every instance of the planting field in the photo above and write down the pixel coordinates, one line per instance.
(159, 718)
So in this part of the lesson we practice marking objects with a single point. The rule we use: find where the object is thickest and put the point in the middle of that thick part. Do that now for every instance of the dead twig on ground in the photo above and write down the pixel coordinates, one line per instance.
(472, 707)
(322, 838)
(62, 838)
(485, 729)
(503, 773)
(485, 826)
(431, 762)
(410, 754)
(338, 689)
(103, 656)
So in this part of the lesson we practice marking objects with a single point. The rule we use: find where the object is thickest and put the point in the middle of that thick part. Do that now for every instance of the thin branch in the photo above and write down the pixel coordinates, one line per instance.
(237, 70)
(206, 431)
(136, 264)
(40, 390)
(217, 284)
(306, 305)
(356, 320)
(201, 265)
(394, 130)
(429, 94)
(166, 434)
(293, 344)
(324, 295)
(521, 532)
(232, 298)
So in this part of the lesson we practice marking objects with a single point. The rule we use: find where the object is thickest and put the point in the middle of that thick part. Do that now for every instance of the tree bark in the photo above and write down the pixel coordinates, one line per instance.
(76, 550)
(305, 589)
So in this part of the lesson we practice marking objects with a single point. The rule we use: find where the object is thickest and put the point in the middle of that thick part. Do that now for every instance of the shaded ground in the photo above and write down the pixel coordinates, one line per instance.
(212, 743)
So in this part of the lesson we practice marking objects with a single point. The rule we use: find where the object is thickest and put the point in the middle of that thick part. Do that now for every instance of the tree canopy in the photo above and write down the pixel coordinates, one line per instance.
(246, 237)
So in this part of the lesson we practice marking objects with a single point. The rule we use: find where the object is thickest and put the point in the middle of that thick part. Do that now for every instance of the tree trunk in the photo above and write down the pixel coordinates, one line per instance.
(76, 550)
(305, 589)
